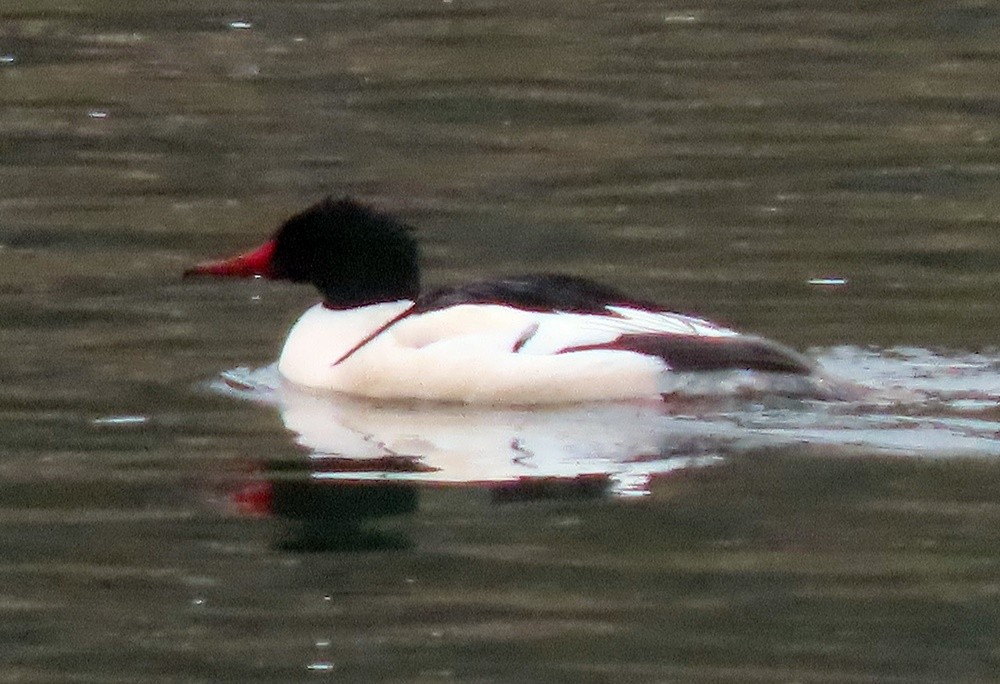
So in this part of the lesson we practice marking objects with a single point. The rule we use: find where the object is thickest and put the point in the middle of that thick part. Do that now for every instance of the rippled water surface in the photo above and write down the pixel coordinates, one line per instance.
(822, 173)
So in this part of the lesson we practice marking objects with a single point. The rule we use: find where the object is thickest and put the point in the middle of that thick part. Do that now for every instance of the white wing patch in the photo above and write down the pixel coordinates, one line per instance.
(558, 331)
(638, 321)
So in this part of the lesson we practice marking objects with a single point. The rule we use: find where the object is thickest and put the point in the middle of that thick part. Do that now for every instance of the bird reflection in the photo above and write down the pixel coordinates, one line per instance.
(367, 461)
(325, 518)
(352, 440)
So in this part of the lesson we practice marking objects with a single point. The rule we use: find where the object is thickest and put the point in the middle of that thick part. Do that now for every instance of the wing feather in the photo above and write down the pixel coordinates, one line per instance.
(558, 331)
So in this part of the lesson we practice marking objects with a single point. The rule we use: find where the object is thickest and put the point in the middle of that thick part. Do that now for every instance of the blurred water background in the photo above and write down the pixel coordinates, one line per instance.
(823, 173)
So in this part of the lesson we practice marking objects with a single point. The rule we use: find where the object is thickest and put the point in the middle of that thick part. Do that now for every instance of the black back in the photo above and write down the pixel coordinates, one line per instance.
(542, 292)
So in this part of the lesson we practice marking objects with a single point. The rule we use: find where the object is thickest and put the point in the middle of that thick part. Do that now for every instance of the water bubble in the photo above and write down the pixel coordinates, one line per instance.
(828, 282)
(120, 420)
(681, 18)
(320, 666)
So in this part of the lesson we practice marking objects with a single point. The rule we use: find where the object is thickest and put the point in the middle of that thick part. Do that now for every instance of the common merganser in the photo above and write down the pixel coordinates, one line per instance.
(530, 339)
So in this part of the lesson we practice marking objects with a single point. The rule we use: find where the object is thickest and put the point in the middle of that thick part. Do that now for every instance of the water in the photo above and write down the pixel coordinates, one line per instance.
(920, 404)
(819, 173)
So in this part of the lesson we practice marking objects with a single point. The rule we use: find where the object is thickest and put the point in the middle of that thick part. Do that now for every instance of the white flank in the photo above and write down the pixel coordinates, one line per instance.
(467, 354)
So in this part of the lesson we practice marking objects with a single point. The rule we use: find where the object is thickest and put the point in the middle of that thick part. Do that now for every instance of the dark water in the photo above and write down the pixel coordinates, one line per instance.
(722, 157)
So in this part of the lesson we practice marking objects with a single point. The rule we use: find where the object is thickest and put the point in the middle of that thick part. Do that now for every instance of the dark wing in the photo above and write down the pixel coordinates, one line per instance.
(695, 353)
(681, 352)
(534, 293)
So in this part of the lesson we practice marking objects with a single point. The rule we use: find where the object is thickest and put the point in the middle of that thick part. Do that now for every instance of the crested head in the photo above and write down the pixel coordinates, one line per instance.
(353, 254)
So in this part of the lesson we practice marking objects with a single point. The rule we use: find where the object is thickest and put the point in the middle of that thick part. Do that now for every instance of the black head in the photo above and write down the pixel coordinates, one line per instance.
(352, 254)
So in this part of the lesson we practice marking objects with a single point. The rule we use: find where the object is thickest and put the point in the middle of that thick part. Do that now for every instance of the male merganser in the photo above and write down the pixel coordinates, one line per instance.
(530, 339)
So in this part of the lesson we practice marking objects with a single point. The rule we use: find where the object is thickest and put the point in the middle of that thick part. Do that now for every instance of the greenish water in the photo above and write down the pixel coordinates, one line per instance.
(715, 156)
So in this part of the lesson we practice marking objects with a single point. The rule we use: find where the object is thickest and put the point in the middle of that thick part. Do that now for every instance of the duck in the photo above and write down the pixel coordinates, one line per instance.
(519, 340)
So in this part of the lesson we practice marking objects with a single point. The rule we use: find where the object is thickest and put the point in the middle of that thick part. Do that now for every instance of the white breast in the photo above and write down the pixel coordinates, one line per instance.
(475, 353)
